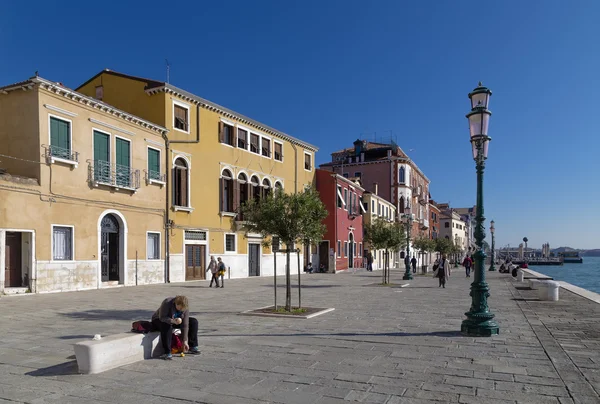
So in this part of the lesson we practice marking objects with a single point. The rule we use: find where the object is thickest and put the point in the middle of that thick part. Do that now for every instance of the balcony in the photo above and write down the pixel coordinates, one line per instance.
(422, 199)
(55, 154)
(154, 177)
(113, 175)
(424, 223)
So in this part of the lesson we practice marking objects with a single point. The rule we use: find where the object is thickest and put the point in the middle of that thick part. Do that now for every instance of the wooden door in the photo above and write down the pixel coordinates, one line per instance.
(195, 258)
(12, 260)
(324, 254)
(253, 259)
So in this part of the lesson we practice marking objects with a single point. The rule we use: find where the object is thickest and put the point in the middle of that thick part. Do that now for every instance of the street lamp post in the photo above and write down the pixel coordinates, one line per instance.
(492, 229)
(408, 220)
(479, 321)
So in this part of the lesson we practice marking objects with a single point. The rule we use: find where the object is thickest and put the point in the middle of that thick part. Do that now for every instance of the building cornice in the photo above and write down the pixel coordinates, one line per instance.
(56, 88)
(211, 106)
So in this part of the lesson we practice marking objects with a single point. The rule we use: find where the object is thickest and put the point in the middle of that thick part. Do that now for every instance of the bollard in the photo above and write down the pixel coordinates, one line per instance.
(548, 290)
(520, 275)
(534, 284)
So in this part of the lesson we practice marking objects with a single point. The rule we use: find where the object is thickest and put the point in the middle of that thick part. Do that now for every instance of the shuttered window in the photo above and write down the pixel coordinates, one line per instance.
(254, 143)
(307, 161)
(154, 164)
(278, 151)
(180, 183)
(266, 147)
(60, 138)
(123, 172)
(181, 119)
(242, 140)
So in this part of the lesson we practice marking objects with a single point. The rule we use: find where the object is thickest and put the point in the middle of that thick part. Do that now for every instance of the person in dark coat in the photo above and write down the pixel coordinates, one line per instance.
(443, 271)
(370, 262)
(413, 262)
(174, 313)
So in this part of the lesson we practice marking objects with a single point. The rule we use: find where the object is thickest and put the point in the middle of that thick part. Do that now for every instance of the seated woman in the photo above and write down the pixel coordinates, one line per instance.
(174, 313)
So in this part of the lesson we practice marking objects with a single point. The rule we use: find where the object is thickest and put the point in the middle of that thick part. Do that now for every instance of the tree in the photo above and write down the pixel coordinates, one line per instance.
(424, 244)
(443, 245)
(382, 235)
(294, 218)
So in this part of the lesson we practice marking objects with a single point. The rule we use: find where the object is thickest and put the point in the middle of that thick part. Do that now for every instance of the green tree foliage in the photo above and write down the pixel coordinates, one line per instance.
(443, 245)
(424, 245)
(383, 235)
(294, 218)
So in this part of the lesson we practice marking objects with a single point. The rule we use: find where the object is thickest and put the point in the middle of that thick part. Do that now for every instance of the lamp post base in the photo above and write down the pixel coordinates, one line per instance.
(479, 327)
(492, 268)
(407, 275)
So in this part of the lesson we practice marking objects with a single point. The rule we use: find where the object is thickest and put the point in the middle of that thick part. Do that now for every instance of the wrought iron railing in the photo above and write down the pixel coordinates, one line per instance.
(115, 175)
(52, 151)
(155, 176)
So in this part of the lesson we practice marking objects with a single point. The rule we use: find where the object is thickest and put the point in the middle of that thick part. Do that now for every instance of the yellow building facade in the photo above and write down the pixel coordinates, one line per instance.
(82, 192)
(217, 159)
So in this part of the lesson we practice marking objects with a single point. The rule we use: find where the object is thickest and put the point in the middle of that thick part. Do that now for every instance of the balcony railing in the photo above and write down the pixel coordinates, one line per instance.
(114, 175)
(52, 153)
(424, 223)
(155, 176)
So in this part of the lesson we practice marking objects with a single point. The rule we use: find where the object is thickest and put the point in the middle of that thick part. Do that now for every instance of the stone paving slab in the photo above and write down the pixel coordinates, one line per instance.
(380, 345)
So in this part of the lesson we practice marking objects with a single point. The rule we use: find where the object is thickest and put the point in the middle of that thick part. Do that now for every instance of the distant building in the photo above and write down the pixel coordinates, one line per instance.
(378, 208)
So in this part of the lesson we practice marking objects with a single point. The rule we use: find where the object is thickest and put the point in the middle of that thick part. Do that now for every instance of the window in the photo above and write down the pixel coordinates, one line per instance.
(153, 246)
(373, 206)
(226, 191)
(180, 183)
(401, 176)
(378, 209)
(254, 142)
(266, 187)
(242, 184)
(123, 162)
(230, 243)
(195, 235)
(345, 248)
(181, 117)
(345, 175)
(278, 187)
(62, 243)
(275, 244)
(346, 198)
(278, 151)
(154, 165)
(226, 133)
(255, 187)
(307, 161)
(266, 147)
(447, 224)
(360, 248)
(340, 198)
(401, 204)
(242, 139)
(358, 175)
(60, 138)
(339, 249)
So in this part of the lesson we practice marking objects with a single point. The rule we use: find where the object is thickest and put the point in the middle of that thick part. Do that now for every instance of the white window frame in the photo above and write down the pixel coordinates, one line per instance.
(345, 191)
(236, 128)
(58, 159)
(270, 139)
(52, 226)
(312, 161)
(280, 143)
(130, 154)
(159, 244)
(339, 195)
(250, 133)
(339, 248)
(189, 207)
(189, 116)
(234, 179)
(360, 249)
(345, 249)
(150, 180)
(235, 243)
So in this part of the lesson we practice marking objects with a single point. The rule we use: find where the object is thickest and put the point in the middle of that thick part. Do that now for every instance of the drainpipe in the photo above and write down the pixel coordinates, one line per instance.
(295, 167)
(167, 216)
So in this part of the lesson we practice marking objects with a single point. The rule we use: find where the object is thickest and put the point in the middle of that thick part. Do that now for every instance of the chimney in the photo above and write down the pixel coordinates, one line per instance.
(375, 188)
(362, 157)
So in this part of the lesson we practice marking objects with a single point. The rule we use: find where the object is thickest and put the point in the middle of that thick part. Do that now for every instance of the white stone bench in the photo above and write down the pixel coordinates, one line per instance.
(548, 290)
(534, 284)
(96, 356)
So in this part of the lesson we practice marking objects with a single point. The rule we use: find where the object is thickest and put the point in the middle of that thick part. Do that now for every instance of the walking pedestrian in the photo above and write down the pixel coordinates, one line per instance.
(369, 261)
(413, 261)
(214, 269)
(443, 271)
(173, 313)
(221, 273)
(468, 263)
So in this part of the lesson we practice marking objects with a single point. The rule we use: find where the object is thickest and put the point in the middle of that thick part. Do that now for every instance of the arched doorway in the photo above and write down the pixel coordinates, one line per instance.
(110, 249)
(350, 250)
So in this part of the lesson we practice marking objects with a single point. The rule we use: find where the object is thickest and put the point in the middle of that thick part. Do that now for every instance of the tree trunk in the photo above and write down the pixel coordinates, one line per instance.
(383, 280)
(299, 290)
(288, 283)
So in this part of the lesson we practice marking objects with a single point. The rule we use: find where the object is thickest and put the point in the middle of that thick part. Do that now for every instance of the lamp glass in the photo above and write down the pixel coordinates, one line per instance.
(480, 100)
(479, 122)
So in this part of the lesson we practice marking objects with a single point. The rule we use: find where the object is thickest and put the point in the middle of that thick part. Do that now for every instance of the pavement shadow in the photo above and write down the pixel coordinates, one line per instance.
(63, 369)
(100, 314)
(76, 336)
(443, 334)
(305, 286)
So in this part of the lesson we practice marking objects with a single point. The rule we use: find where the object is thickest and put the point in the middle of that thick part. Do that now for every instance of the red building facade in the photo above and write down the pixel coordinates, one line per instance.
(342, 245)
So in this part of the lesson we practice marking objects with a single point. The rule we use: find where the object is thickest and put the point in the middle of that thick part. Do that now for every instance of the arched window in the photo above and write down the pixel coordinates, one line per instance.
(278, 187)
(255, 184)
(401, 176)
(401, 204)
(181, 183)
(266, 187)
(227, 191)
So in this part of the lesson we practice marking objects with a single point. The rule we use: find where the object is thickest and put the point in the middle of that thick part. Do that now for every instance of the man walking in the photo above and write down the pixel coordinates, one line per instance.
(468, 263)
(370, 262)
(413, 262)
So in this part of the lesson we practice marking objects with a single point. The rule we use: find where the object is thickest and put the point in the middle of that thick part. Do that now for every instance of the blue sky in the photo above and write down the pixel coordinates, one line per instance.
(329, 72)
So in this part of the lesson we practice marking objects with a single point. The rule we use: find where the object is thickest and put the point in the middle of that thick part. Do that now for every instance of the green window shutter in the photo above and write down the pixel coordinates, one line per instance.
(153, 161)
(59, 137)
(123, 152)
(101, 149)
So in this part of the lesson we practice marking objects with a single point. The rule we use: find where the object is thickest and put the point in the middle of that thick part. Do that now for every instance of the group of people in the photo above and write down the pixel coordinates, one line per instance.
(309, 268)
(217, 268)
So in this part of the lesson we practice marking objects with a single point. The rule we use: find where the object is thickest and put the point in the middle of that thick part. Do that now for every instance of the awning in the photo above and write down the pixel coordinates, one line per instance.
(341, 197)
(362, 207)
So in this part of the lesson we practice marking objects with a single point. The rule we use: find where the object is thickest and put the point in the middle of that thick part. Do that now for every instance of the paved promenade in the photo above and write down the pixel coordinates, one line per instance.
(380, 345)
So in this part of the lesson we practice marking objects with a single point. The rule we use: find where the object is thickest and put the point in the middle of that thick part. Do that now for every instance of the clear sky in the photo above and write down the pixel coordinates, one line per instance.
(330, 72)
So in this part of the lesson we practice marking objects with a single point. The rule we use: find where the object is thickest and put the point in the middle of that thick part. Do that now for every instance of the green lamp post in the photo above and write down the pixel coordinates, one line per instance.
(492, 229)
(408, 220)
(480, 320)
